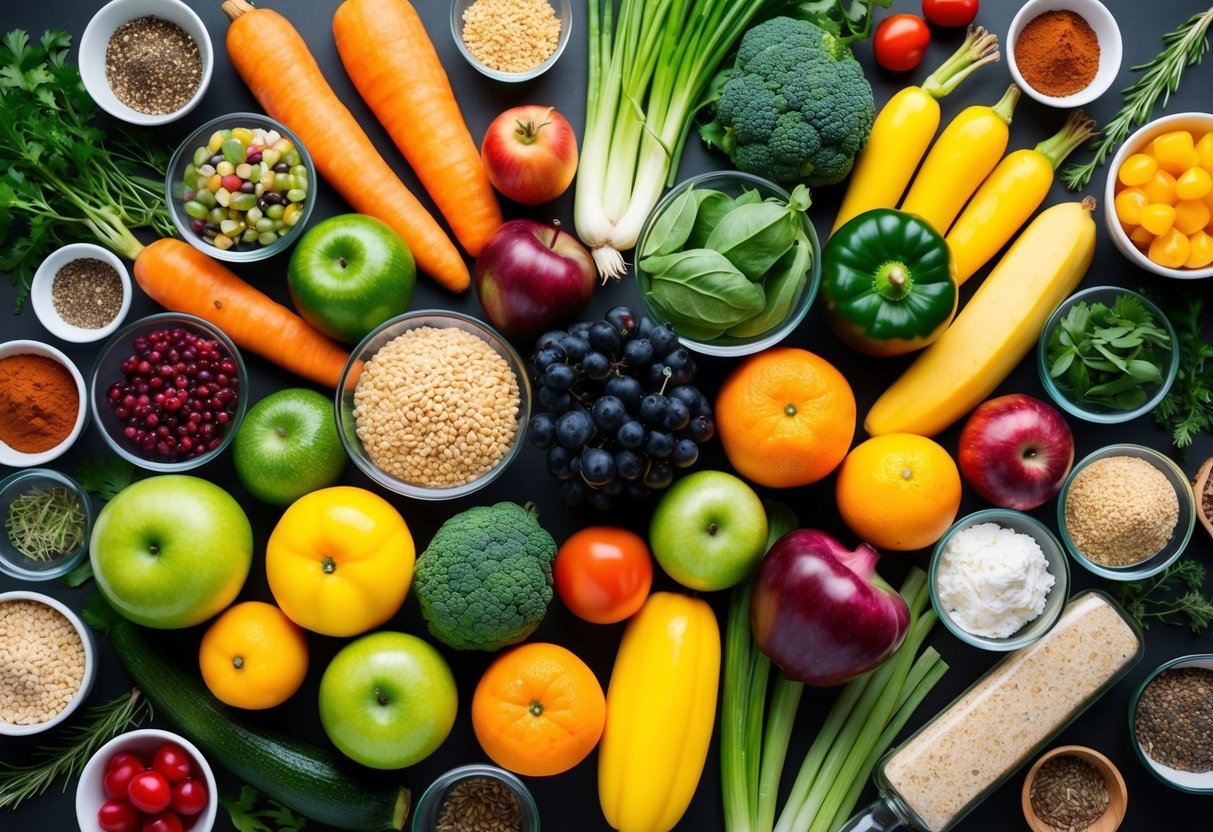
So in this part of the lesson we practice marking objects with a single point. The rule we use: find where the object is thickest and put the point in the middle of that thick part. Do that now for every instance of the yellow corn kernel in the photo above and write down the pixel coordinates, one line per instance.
(1141, 238)
(1200, 250)
(215, 142)
(243, 135)
(1138, 169)
(1193, 183)
(1161, 188)
(1175, 151)
(1191, 215)
(1157, 218)
(1204, 151)
(224, 242)
(1170, 250)
(1129, 203)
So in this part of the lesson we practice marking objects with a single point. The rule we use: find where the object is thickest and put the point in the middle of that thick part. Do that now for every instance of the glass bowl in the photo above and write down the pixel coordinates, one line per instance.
(732, 183)
(1055, 601)
(564, 12)
(1092, 412)
(1165, 556)
(19, 459)
(175, 188)
(376, 340)
(425, 813)
(1192, 782)
(18, 565)
(107, 370)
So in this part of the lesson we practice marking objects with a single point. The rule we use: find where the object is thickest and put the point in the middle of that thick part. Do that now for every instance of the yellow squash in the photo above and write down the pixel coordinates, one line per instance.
(904, 128)
(1009, 195)
(997, 328)
(963, 155)
(661, 705)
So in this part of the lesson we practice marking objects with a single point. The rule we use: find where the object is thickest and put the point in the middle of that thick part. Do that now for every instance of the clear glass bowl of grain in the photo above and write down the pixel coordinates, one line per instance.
(433, 404)
(1168, 728)
(529, 16)
(487, 795)
(1116, 519)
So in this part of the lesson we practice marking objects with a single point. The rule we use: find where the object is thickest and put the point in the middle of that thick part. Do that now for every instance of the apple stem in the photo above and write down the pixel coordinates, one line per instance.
(154, 549)
(528, 131)
(556, 225)
(713, 528)
(380, 697)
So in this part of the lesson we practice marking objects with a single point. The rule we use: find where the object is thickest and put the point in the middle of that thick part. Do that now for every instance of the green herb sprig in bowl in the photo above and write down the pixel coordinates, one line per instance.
(1107, 355)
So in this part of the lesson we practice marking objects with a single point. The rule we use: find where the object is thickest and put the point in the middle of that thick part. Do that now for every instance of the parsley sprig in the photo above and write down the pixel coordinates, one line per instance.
(1187, 409)
(1173, 596)
(271, 818)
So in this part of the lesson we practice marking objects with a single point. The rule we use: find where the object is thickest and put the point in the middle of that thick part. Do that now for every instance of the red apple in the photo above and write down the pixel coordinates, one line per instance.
(533, 277)
(530, 154)
(1016, 451)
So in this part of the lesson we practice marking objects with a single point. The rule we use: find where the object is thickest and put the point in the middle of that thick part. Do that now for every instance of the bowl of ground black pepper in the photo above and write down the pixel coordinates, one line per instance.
(1171, 721)
(511, 40)
(81, 292)
(480, 797)
(146, 62)
(1064, 53)
(43, 407)
(1073, 787)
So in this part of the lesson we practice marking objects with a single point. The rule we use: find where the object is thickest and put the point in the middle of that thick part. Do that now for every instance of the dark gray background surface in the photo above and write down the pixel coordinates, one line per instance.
(570, 801)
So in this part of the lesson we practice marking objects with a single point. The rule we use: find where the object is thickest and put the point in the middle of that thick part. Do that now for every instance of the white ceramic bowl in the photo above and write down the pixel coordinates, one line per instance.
(16, 459)
(90, 791)
(96, 38)
(1199, 124)
(564, 11)
(44, 306)
(90, 664)
(1106, 30)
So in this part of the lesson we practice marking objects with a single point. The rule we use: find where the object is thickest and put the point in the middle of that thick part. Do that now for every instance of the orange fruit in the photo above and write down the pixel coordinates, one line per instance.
(538, 710)
(898, 491)
(786, 417)
(253, 656)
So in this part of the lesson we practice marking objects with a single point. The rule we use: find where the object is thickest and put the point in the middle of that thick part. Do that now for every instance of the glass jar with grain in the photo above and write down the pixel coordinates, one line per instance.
(476, 798)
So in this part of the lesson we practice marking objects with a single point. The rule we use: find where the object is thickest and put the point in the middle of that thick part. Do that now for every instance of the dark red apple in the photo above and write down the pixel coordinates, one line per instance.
(1016, 451)
(533, 277)
(530, 154)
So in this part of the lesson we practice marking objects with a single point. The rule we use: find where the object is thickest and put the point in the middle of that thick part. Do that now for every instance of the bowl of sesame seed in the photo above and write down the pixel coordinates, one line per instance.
(433, 404)
(511, 40)
(81, 292)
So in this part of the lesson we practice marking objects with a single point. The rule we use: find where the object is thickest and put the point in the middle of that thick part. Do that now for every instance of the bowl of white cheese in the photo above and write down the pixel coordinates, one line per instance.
(999, 579)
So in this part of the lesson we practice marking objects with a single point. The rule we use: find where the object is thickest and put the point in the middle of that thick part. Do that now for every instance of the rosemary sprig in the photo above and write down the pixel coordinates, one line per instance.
(67, 754)
(45, 523)
(1182, 48)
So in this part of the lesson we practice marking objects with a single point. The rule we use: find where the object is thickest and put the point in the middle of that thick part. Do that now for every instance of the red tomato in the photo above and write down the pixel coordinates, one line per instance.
(118, 777)
(901, 41)
(150, 792)
(166, 822)
(603, 573)
(950, 12)
(118, 816)
(172, 761)
(123, 757)
(189, 797)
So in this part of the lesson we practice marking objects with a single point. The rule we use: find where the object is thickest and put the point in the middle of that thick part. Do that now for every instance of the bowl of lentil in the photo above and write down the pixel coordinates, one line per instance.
(81, 292)
(1074, 787)
(47, 517)
(47, 663)
(511, 40)
(1126, 512)
(1171, 722)
(476, 796)
(241, 187)
(168, 393)
(43, 406)
(433, 404)
(146, 62)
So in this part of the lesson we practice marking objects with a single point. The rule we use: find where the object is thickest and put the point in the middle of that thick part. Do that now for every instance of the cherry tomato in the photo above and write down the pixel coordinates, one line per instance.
(118, 777)
(123, 757)
(189, 797)
(901, 41)
(172, 761)
(118, 816)
(950, 12)
(603, 574)
(149, 792)
(165, 822)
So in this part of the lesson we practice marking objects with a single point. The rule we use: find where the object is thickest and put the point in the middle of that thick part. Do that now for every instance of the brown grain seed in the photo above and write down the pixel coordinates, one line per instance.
(511, 35)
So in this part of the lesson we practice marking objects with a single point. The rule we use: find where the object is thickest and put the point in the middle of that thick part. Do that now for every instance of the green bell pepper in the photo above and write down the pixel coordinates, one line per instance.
(888, 283)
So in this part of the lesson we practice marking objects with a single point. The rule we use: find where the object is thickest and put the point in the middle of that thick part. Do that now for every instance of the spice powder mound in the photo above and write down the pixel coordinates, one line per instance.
(1057, 53)
(1174, 719)
(1068, 793)
(1120, 510)
(41, 662)
(152, 65)
(511, 35)
(480, 804)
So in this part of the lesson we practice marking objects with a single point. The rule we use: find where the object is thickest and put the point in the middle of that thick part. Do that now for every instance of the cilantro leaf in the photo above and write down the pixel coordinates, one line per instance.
(247, 818)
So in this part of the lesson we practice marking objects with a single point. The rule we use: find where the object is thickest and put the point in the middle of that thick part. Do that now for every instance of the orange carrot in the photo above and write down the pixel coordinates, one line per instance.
(392, 62)
(275, 63)
(182, 279)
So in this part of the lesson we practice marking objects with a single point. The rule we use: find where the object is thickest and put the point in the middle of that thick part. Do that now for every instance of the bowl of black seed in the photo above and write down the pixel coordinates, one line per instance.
(476, 798)
(81, 292)
(146, 62)
(1073, 788)
(1171, 719)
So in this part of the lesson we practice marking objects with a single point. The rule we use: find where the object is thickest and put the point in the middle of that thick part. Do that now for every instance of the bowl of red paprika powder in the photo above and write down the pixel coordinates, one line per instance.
(43, 408)
(1064, 53)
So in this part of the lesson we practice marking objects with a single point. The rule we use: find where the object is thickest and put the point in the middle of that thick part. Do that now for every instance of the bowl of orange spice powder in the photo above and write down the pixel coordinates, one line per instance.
(1064, 53)
(42, 403)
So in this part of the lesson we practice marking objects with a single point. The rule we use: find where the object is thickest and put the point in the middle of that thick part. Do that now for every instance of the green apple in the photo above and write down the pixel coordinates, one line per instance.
(171, 551)
(349, 274)
(287, 446)
(708, 531)
(388, 700)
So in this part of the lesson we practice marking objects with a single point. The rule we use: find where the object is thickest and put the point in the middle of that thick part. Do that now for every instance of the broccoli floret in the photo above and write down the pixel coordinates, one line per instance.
(485, 580)
(796, 106)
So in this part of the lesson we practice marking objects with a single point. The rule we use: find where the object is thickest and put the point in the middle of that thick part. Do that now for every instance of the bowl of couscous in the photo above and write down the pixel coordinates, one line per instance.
(511, 40)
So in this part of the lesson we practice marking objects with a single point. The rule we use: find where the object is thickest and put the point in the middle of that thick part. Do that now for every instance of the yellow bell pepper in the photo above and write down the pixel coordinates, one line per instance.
(340, 561)
(661, 705)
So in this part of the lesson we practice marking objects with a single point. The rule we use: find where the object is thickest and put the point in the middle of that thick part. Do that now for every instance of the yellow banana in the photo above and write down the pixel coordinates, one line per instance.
(904, 128)
(997, 328)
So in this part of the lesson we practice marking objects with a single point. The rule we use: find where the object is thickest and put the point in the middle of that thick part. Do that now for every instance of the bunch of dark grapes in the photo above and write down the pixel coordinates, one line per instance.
(617, 410)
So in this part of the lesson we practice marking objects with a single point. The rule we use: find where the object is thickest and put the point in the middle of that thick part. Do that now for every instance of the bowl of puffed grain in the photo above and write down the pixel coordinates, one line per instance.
(511, 40)
(433, 404)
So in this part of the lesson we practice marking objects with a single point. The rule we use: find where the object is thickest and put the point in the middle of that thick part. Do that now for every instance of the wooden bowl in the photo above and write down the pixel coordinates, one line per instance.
(1199, 485)
(1118, 795)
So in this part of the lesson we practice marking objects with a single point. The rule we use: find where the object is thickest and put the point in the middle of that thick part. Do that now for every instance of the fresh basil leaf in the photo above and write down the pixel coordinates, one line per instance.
(783, 285)
(1144, 371)
(1062, 363)
(703, 288)
(749, 196)
(713, 205)
(673, 227)
(754, 236)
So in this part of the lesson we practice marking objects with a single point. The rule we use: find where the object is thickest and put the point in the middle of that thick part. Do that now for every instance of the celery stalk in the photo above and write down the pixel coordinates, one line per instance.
(735, 740)
(784, 704)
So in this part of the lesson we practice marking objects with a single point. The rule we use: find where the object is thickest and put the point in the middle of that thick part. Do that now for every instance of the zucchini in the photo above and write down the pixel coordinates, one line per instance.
(313, 781)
